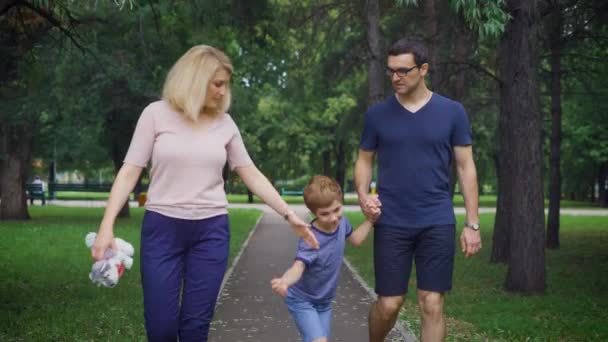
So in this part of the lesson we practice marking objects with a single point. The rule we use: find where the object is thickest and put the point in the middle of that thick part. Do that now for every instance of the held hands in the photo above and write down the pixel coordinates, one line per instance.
(302, 229)
(371, 207)
(279, 286)
(470, 242)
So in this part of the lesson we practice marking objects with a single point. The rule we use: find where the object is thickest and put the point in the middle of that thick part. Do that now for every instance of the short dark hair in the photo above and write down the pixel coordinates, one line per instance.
(413, 46)
(321, 192)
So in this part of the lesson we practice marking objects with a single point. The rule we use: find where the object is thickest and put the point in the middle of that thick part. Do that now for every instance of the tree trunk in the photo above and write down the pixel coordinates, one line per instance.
(327, 163)
(504, 200)
(518, 65)
(431, 24)
(341, 165)
(117, 157)
(554, 27)
(375, 71)
(603, 184)
(15, 148)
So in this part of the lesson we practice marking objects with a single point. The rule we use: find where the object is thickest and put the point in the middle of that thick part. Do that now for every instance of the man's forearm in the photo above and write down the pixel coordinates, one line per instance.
(363, 177)
(470, 192)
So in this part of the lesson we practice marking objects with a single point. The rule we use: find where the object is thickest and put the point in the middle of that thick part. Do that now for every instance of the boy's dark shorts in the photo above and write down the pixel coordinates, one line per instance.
(432, 248)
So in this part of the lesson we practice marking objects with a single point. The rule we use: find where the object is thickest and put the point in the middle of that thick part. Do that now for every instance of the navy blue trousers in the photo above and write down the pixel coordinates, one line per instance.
(182, 266)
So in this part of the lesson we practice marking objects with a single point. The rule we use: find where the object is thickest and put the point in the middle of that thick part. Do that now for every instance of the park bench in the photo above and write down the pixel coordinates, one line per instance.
(34, 190)
(287, 192)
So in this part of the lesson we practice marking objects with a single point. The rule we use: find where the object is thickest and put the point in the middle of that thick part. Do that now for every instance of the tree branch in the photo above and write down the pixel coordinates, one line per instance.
(54, 22)
(476, 67)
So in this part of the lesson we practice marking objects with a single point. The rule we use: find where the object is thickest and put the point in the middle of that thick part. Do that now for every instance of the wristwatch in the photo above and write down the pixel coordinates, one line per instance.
(287, 214)
(474, 226)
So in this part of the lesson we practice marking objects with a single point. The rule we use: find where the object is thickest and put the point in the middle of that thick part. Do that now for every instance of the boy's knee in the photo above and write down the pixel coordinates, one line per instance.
(388, 307)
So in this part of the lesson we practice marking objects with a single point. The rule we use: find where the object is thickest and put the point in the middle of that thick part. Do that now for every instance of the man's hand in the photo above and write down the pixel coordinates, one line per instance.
(302, 229)
(279, 286)
(371, 207)
(470, 241)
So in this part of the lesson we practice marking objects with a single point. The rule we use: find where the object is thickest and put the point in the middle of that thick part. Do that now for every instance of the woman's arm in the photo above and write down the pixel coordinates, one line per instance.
(123, 185)
(260, 185)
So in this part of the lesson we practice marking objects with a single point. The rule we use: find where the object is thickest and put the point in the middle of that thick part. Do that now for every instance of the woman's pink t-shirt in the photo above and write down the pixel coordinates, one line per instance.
(186, 175)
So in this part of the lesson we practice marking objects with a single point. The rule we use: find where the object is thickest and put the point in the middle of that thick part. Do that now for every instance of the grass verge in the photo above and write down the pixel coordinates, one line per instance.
(45, 293)
(574, 307)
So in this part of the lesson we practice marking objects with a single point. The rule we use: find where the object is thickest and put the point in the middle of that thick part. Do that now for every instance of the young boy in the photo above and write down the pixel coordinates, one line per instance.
(310, 284)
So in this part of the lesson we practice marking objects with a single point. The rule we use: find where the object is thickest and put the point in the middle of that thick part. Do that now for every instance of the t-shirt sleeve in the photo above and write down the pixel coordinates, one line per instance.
(142, 142)
(348, 228)
(369, 137)
(461, 132)
(306, 254)
(236, 150)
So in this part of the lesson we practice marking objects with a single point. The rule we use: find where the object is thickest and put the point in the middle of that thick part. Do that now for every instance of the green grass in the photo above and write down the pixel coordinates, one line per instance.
(45, 293)
(574, 308)
(486, 201)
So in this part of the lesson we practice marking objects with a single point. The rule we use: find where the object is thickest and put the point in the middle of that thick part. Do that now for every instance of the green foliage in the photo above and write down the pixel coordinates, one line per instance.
(486, 17)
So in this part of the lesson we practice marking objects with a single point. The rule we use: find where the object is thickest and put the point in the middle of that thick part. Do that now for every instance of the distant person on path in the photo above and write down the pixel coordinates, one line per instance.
(309, 285)
(188, 137)
(417, 135)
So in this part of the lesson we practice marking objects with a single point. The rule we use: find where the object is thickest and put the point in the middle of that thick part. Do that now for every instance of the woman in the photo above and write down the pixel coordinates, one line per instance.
(184, 240)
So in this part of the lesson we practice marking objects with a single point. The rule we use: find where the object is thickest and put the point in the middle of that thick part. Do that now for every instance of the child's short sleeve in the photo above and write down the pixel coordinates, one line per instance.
(142, 143)
(305, 253)
(348, 228)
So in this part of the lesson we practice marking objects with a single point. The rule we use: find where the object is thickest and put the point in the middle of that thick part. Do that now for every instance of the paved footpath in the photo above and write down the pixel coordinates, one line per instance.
(248, 310)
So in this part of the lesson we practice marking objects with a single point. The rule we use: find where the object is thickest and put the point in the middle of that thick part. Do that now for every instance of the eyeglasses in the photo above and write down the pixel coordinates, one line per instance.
(401, 72)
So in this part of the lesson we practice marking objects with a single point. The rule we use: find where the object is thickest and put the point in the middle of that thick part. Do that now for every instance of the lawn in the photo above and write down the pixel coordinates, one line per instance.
(486, 201)
(574, 308)
(45, 293)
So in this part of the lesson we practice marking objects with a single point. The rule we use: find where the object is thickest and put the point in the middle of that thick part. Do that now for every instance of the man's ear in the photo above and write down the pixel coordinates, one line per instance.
(424, 69)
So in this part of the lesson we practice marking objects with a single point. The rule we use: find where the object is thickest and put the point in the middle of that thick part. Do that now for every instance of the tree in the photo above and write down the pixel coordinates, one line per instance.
(521, 202)
(23, 25)
(554, 28)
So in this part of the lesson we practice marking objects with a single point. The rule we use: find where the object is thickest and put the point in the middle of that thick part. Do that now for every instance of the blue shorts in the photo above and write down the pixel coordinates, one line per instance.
(432, 249)
(312, 319)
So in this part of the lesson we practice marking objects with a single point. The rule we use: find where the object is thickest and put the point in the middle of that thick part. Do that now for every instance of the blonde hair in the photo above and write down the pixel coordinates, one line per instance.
(186, 84)
(321, 192)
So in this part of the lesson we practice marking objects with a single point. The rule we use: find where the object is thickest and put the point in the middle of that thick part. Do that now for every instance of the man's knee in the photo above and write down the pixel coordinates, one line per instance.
(430, 303)
(388, 307)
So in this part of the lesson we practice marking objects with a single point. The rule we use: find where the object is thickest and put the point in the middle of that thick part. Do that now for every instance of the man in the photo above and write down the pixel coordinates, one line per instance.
(416, 135)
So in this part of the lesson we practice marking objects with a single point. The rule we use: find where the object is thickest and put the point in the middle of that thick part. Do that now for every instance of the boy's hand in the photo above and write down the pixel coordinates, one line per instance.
(279, 286)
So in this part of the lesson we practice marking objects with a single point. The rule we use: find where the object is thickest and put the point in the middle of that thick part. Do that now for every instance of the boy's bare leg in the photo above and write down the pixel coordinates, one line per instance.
(322, 339)
(382, 316)
(433, 322)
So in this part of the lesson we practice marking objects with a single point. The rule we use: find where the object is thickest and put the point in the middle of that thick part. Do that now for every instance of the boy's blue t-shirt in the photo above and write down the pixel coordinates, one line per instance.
(414, 157)
(320, 278)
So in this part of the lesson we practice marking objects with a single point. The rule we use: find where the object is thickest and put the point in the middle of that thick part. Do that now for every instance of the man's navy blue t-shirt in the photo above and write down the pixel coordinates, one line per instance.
(414, 156)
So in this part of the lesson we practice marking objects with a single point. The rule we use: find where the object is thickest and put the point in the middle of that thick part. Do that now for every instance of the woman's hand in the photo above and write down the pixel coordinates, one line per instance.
(302, 229)
(103, 241)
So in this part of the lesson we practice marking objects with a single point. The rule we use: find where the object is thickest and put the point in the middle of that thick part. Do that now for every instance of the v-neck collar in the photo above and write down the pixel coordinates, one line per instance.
(419, 109)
